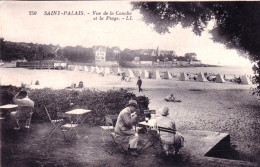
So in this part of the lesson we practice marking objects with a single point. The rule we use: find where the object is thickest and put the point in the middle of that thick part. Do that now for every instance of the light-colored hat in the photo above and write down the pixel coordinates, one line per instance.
(164, 111)
(132, 103)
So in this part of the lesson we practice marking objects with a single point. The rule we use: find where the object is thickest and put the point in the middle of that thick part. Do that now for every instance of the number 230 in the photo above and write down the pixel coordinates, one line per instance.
(32, 12)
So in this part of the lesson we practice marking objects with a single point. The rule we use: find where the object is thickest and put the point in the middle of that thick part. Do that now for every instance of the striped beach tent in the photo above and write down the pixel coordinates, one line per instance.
(156, 75)
(201, 78)
(183, 77)
(219, 79)
(245, 80)
(167, 75)
(145, 74)
(130, 73)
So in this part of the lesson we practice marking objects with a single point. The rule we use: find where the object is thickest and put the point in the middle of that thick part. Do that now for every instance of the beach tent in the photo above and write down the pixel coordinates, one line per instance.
(107, 70)
(85, 68)
(76, 68)
(245, 80)
(201, 78)
(145, 74)
(167, 75)
(98, 70)
(102, 70)
(156, 75)
(183, 77)
(212, 78)
(220, 79)
(81, 68)
(71, 67)
(92, 69)
(130, 73)
(119, 71)
(139, 73)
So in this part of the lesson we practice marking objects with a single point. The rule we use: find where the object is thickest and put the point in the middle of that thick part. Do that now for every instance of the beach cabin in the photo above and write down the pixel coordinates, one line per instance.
(220, 79)
(201, 78)
(183, 77)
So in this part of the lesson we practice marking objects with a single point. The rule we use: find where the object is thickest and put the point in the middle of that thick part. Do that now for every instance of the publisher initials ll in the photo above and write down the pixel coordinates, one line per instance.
(129, 18)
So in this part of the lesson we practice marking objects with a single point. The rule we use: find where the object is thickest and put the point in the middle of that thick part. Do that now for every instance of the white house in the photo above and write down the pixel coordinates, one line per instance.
(100, 53)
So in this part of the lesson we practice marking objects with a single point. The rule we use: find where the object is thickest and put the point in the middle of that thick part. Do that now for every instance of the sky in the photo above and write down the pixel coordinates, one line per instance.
(71, 30)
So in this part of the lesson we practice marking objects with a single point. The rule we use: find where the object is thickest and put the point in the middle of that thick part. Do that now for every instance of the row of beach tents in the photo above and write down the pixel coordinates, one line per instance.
(155, 74)
(244, 79)
(119, 71)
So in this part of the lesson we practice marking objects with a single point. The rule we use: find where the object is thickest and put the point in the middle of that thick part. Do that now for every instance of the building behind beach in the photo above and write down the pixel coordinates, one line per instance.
(106, 56)
(100, 53)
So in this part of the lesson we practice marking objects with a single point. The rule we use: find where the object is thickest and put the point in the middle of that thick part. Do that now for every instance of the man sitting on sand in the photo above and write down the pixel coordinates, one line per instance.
(168, 139)
(25, 108)
(125, 121)
(171, 98)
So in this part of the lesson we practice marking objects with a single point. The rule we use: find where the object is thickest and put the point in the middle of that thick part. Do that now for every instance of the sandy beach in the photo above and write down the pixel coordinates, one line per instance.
(219, 107)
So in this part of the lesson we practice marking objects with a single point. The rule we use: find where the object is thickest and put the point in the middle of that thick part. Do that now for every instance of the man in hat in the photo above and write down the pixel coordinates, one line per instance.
(25, 105)
(139, 84)
(168, 139)
(125, 121)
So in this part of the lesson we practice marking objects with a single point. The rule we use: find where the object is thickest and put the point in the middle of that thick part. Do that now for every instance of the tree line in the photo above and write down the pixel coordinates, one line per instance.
(11, 51)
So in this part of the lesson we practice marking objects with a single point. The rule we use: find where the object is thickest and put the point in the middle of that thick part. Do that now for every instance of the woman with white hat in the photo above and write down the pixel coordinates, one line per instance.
(168, 139)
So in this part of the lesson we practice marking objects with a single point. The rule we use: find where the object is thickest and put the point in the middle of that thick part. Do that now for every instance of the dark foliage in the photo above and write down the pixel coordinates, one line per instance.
(7, 93)
(100, 102)
(78, 54)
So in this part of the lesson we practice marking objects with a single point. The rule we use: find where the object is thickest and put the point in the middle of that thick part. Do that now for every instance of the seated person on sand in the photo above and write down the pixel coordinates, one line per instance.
(123, 77)
(171, 98)
(128, 79)
(169, 139)
(81, 85)
(25, 108)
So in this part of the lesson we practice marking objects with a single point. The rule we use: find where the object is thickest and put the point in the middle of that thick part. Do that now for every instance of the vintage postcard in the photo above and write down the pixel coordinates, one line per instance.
(95, 83)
